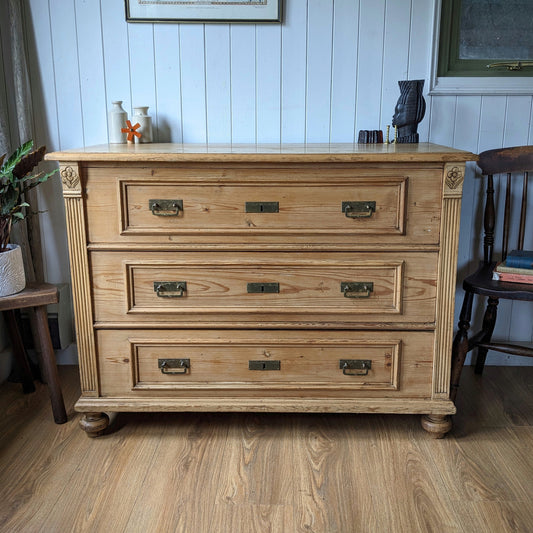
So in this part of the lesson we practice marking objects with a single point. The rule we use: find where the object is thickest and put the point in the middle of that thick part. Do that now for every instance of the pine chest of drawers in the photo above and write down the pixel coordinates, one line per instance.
(264, 278)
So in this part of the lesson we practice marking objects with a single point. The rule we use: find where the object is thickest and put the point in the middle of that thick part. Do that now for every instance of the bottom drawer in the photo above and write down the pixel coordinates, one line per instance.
(178, 363)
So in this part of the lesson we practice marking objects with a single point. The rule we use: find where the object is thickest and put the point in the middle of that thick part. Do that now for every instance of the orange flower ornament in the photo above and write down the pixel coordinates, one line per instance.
(131, 131)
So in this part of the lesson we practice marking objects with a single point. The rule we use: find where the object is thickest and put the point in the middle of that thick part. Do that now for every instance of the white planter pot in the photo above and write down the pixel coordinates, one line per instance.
(12, 277)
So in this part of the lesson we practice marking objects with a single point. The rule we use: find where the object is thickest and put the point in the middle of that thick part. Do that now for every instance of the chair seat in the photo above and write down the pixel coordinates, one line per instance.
(481, 282)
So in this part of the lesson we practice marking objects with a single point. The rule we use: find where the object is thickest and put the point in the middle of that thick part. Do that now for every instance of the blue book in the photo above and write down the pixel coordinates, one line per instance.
(520, 259)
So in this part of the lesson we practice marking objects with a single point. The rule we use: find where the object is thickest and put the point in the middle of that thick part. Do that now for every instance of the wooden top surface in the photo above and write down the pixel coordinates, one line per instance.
(312, 153)
(33, 295)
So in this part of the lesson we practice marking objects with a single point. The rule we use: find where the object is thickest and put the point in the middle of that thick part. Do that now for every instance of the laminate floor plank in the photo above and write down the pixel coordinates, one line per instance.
(256, 459)
(107, 481)
(36, 453)
(255, 473)
(183, 477)
(493, 517)
(402, 478)
(487, 401)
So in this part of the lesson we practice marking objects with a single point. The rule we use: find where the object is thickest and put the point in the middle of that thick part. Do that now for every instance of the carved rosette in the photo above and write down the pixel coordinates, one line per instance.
(70, 179)
(453, 178)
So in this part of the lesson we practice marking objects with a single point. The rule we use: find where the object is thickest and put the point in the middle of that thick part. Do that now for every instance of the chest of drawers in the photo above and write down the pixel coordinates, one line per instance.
(264, 278)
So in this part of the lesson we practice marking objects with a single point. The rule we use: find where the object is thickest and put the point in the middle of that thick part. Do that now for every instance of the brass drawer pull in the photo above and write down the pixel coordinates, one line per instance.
(262, 288)
(355, 367)
(358, 209)
(174, 366)
(357, 289)
(264, 365)
(261, 207)
(165, 208)
(170, 289)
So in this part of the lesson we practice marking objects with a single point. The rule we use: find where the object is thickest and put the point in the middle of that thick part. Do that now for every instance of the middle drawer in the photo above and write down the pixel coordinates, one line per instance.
(215, 287)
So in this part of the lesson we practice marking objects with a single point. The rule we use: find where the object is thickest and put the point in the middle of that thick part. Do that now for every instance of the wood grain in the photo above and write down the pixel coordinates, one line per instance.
(309, 288)
(122, 250)
(310, 198)
(286, 152)
(270, 472)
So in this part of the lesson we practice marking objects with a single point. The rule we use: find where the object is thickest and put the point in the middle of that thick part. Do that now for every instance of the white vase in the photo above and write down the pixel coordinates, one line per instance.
(12, 277)
(140, 115)
(117, 120)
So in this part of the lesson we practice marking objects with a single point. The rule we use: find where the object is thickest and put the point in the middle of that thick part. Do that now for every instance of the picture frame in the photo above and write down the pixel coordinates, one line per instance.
(204, 11)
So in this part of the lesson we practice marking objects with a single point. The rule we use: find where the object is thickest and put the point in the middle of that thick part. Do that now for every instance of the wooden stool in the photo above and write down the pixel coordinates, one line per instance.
(38, 296)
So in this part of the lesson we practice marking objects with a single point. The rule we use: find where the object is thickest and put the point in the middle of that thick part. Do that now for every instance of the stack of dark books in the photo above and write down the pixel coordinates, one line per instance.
(517, 267)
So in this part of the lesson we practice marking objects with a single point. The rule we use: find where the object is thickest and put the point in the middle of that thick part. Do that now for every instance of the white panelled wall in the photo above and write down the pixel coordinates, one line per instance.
(330, 69)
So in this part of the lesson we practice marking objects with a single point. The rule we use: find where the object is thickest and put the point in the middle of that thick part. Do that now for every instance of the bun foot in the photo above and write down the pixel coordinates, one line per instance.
(436, 425)
(94, 424)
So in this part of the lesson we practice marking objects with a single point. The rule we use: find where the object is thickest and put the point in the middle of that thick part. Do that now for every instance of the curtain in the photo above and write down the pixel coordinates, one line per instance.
(16, 127)
(26, 232)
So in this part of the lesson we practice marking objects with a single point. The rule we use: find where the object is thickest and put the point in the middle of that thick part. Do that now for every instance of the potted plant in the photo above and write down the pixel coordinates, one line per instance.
(16, 179)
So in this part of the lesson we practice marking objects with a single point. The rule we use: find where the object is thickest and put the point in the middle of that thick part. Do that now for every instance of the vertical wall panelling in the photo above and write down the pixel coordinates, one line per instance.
(369, 65)
(516, 130)
(142, 67)
(467, 118)
(319, 49)
(268, 83)
(345, 24)
(420, 47)
(217, 73)
(328, 70)
(167, 120)
(395, 57)
(63, 87)
(294, 69)
(242, 82)
(465, 134)
(91, 68)
(42, 74)
(116, 54)
(442, 111)
(192, 60)
(66, 71)
(491, 123)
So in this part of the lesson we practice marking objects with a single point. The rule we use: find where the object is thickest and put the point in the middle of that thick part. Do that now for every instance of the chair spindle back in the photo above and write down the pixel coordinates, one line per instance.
(505, 161)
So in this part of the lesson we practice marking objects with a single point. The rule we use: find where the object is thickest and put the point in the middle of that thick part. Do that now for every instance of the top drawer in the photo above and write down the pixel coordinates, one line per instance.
(263, 205)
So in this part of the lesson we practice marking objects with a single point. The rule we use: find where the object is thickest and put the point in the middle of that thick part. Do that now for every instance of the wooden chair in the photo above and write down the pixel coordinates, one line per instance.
(509, 162)
(37, 296)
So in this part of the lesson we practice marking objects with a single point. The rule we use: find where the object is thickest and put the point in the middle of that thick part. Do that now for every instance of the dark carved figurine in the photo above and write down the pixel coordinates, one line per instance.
(409, 111)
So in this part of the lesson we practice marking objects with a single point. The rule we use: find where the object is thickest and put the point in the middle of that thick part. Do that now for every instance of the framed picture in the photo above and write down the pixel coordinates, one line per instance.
(203, 11)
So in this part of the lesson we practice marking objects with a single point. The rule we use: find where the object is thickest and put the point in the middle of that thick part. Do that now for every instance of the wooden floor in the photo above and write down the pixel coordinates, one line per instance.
(230, 473)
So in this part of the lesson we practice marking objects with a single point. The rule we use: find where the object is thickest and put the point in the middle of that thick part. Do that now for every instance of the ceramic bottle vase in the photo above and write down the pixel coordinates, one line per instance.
(117, 120)
(140, 115)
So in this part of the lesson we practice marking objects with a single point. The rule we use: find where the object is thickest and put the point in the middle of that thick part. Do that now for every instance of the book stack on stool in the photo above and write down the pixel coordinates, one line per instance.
(517, 268)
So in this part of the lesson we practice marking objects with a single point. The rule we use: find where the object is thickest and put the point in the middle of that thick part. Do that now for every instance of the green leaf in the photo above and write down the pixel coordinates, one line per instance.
(18, 215)
(16, 156)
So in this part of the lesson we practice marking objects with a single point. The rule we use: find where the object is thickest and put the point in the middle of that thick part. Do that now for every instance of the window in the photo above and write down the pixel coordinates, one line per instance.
(478, 33)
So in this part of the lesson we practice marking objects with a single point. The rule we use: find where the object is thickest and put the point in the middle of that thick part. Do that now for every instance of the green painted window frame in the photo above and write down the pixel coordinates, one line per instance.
(449, 64)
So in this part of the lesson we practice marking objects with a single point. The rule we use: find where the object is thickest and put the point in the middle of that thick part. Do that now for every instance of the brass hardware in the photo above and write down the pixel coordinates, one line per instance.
(357, 289)
(511, 65)
(264, 365)
(358, 209)
(262, 207)
(165, 208)
(360, 367)
(260, 288)
(170, 289)
(174, 366)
